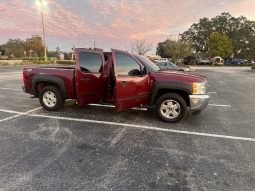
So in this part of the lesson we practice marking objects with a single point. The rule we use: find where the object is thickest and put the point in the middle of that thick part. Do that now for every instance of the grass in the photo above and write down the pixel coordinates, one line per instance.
(66, 62)
(4, 63)
(40, 62)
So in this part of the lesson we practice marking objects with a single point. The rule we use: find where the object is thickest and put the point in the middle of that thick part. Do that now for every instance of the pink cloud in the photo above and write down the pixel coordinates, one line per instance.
(112, 23)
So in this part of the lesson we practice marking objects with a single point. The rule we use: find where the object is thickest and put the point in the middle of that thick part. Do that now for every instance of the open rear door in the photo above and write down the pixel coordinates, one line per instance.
(91, 83)
(132, 86)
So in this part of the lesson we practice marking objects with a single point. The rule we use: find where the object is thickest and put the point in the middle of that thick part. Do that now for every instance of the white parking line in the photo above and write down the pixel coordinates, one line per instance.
(10, 89)
(135, 126)
(212, 92)
(12, 112)
(146, 127)
(218, 105)
(8, 118)
(18, 113)
(9, 73)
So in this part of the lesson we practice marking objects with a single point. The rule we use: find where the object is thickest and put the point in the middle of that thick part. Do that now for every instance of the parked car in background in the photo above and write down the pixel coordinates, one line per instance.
(172, 66)
(189, 60)
(217, 60)
(203, 61)
(250, 62)
(162, 60)
(235, 61)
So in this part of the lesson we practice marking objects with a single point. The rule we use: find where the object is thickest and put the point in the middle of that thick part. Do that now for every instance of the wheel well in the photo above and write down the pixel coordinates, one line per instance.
(41, 85)
(182, 93)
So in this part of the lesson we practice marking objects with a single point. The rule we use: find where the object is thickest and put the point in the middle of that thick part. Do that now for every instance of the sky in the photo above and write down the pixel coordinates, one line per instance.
(111, 23)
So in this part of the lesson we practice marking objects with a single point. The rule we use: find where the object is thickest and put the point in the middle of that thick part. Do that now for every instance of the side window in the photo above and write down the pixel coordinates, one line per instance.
(126, 65)
(90, 62)
(162, 65)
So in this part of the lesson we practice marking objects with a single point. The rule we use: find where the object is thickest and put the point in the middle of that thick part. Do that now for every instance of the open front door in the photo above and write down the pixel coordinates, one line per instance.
(91, 83)
(132, 86)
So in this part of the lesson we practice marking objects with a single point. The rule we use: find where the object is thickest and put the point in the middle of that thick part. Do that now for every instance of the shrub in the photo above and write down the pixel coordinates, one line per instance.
(41, 62)
(66, 62)
(38, 58)
(3, 63)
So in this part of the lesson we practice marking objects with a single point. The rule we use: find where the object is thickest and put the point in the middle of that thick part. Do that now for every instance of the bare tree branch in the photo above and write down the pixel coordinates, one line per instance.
(141, 47)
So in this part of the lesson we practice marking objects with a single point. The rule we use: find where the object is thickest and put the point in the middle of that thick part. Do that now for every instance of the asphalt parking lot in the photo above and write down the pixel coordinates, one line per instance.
(93, 148)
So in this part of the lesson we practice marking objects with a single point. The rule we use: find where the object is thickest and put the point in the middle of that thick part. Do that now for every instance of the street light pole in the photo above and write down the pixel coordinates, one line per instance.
(44, 41)
(94, 44)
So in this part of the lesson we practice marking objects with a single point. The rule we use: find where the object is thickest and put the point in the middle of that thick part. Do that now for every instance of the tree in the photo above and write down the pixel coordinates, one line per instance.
(197, 34)
(174, 49)
(18, 46)
(240, 31)
(58, 51)
(15, 46)
(36, 44)
(141, 47)
(219, 45)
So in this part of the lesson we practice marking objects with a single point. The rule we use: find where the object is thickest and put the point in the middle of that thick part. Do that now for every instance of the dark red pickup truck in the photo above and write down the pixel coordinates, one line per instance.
(121, 79)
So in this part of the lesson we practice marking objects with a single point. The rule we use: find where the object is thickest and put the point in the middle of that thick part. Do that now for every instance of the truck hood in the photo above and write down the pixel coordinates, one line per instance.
(177, 76)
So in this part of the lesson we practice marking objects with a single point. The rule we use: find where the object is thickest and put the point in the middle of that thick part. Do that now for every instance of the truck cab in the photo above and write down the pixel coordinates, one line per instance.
(119, 78)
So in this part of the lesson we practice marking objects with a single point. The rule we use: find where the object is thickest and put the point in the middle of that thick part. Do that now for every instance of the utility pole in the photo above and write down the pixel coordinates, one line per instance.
(44, 41)
(94, 44)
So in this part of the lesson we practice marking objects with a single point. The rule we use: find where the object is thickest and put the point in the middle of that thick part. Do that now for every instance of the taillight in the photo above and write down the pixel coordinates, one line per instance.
(24, 77)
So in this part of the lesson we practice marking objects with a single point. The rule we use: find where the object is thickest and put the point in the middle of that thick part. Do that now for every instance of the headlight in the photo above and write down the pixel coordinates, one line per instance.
(199, 88)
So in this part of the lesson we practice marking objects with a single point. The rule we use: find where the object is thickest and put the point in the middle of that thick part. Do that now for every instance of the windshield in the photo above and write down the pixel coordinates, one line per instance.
(147, 63)
(172, 64)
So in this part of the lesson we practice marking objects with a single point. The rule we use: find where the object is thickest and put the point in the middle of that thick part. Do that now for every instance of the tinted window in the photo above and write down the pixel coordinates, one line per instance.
(162, 65)
(172, 64)
(90, 62)
(126, 64)
(152, 67)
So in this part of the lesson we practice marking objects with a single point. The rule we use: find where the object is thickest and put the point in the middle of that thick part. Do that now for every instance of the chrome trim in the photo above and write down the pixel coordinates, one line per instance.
(198, 102)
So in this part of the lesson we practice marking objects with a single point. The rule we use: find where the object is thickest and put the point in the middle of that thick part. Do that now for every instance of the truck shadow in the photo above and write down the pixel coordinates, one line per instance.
(131, 116)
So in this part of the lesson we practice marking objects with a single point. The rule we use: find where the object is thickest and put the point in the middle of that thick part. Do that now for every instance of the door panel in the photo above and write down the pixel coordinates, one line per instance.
(130, 91)
(91, 83)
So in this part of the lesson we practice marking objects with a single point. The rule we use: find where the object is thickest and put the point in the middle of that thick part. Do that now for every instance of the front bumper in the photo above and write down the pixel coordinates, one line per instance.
(198, 102)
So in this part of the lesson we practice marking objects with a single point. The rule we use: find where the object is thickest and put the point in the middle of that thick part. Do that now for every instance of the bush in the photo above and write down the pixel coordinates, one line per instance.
(66, 62)
(4, 63)
(34, 58)
(11, 62)
(41, 62)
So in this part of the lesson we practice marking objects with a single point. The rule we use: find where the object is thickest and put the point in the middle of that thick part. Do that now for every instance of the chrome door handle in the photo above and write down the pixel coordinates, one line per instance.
(123, 83)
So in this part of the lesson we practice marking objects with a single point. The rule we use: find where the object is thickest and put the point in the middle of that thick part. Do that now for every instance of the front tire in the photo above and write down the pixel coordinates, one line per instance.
(51, 99)
(171, 107)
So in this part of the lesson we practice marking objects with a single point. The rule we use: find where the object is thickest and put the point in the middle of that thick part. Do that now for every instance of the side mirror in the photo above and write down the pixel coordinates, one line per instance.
(134, 72)
(145, 71)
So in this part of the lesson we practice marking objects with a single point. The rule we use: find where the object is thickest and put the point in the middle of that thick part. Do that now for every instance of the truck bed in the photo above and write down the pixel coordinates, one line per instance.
(64, 73)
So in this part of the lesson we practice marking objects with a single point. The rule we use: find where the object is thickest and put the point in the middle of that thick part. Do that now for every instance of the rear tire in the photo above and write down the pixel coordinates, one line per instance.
(51, 99)
(171, 107)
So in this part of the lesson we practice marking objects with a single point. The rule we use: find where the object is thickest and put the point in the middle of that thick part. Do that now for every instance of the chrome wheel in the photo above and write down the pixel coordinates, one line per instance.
(49, 99)
(170, 109)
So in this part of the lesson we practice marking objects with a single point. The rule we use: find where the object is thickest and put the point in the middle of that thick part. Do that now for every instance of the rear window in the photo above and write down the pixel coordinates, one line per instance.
(90, 62)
